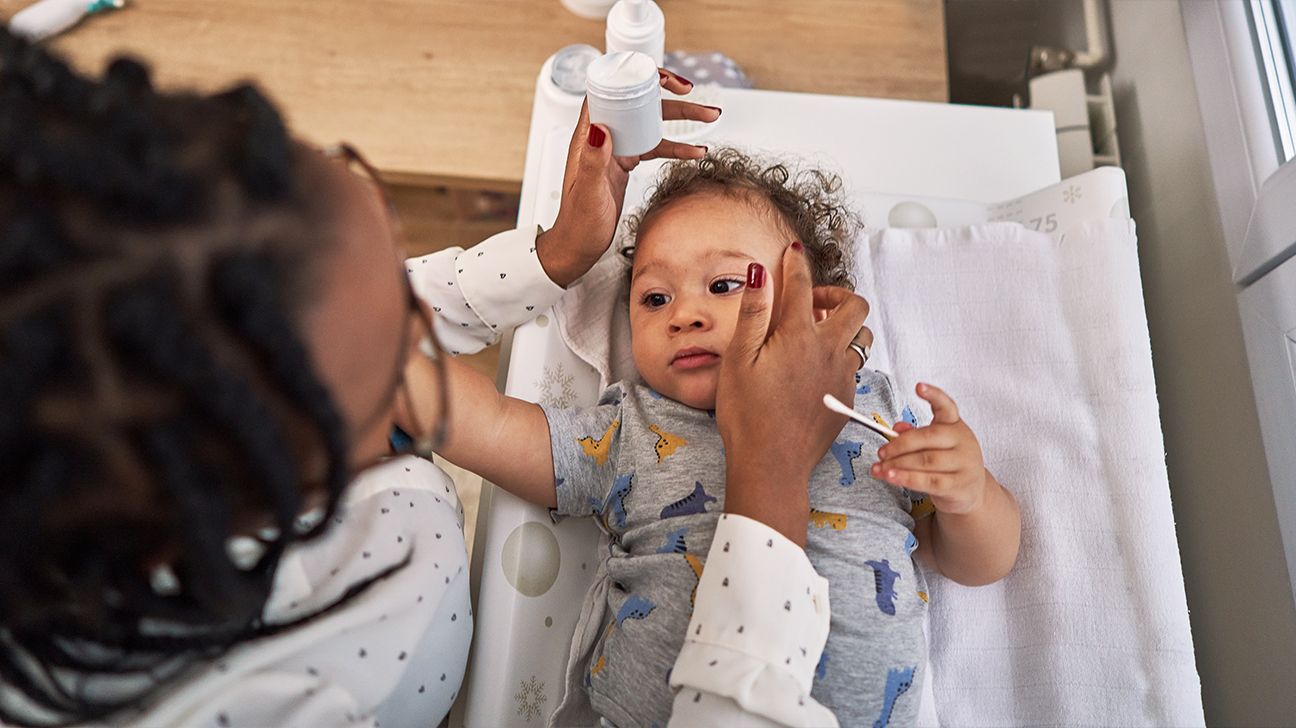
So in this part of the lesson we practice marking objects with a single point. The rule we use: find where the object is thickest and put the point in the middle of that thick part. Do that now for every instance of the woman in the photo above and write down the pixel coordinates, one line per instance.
(204, 329)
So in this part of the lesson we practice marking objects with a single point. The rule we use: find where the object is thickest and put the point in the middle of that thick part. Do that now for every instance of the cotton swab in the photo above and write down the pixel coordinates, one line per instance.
(836, 405)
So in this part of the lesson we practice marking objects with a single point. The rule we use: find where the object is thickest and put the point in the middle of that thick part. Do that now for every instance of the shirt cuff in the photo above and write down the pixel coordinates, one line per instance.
(754, 639)
(502, 280)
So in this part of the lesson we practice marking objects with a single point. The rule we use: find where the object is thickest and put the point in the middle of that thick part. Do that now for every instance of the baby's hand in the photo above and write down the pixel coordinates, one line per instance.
(942, 459)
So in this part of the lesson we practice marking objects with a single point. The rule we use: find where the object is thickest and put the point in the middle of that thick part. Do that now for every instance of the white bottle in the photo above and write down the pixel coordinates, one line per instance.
(637, 25)
(590, 9)
(624, 94)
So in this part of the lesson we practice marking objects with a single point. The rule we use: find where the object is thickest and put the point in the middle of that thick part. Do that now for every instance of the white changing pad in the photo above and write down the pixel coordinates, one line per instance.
(1034, 321)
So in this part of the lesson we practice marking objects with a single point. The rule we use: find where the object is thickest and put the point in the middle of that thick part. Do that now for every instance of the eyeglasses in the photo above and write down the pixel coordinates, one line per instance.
(429, 346)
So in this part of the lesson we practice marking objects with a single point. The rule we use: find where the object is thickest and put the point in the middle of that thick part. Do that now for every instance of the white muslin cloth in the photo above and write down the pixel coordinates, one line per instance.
(1043, 342)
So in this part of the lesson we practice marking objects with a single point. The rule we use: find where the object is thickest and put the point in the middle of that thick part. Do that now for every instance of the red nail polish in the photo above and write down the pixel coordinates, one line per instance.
(755, 276)
(683, 80)
(662, 75)
(596, 136)
(797, 246)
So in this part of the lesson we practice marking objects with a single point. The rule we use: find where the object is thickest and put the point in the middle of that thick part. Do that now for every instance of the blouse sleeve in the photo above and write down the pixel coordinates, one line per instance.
(484, 291)
(753, 642)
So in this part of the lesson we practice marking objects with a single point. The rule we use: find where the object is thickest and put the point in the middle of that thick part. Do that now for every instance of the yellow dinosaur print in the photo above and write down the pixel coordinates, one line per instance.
(922, 509)
(923, 596)
(599, 449)
(878, 419)
(667, 443)
(823, 519)
(598, 666)
(696, 564)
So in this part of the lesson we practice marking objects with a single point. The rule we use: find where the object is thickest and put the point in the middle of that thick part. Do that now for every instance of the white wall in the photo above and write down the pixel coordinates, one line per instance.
(1243, 617)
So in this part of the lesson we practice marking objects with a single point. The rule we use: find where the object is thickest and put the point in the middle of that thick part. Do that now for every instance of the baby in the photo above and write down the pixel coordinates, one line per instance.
(647, 461)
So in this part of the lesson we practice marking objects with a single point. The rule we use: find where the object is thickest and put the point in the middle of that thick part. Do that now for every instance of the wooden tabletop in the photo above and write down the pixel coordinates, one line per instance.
(440, 91)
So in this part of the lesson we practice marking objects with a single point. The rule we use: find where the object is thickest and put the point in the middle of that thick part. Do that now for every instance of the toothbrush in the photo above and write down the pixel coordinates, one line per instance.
(51, 17)
(836, 405)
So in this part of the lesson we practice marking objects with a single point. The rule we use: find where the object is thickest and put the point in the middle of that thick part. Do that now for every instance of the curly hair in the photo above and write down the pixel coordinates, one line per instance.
(157, 393)
(809, 202)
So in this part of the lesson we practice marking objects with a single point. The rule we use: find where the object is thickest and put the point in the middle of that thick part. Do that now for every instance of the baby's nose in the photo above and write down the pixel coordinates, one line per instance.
(688, 320)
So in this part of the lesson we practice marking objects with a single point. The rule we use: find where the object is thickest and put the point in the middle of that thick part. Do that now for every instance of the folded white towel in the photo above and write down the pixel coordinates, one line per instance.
(1043, 342)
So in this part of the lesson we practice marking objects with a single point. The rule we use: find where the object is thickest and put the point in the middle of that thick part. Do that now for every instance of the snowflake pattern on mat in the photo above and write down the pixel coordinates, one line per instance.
(530, 698)
(557, 387)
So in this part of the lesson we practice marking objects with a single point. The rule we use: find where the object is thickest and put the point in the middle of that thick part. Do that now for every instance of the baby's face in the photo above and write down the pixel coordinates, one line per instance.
(690, 266)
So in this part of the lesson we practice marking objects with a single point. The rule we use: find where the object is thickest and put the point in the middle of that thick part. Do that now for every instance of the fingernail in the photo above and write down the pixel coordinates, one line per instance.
(683, 80)
(716, 109)
(596, 136)
(662, 75)
(882, 454)
(797, 246)
(755, 275)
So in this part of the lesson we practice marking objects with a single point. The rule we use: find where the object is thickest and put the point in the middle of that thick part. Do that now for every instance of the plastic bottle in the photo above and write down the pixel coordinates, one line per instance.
(624, 94)
(637, 25)
(591, 9)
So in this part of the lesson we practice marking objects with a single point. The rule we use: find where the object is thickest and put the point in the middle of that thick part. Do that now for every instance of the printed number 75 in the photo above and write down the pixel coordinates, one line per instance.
(1049, 222)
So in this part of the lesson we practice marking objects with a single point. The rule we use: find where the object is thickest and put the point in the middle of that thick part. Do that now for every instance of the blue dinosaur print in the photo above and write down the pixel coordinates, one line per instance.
(691, 504)
(845, 452)
(860, 387)
(674, 543)
(897, 684)
(911, 543)
(821, 670)
(908, 416)
(635, 607)
(616, 500)
(884, 579)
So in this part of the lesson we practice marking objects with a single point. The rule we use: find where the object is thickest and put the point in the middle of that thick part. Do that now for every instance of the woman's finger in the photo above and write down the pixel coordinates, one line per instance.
(674, 82)
(843, 325)
(927, 461)
(932, 437)
(796, 298)
(944, 410)
(685, 110)
(580, 135)
(753, 316)
(668, 149)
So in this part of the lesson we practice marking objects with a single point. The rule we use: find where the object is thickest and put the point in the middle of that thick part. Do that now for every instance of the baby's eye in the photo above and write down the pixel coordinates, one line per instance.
(655, 300)
(725, 285)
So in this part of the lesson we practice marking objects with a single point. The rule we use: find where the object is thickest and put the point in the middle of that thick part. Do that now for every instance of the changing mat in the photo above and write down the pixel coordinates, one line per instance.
(1038, 330)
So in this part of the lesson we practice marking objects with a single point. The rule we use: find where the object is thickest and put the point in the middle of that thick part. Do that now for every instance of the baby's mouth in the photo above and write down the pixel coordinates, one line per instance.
(694, 357)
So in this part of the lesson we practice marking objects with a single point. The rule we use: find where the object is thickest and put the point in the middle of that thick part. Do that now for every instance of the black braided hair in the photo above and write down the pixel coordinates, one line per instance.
(155, 393)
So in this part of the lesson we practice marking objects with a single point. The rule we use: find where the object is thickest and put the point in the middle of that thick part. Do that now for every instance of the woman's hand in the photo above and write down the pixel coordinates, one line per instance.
(594, 186)
(769, 401)
(942, 459)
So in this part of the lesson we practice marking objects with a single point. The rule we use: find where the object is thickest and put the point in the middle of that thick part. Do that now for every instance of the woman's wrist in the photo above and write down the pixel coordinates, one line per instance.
(778, 497)
(563, 260)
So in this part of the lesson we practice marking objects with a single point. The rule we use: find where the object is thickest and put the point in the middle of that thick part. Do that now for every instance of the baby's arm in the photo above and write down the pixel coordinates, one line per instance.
(975, 532)
(974, 548)
(502, 439)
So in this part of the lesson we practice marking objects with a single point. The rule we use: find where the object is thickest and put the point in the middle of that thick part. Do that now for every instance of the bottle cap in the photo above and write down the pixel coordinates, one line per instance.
(570, 65)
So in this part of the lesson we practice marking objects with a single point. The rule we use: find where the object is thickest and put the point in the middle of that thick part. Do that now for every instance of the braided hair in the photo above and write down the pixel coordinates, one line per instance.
(156, 396)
